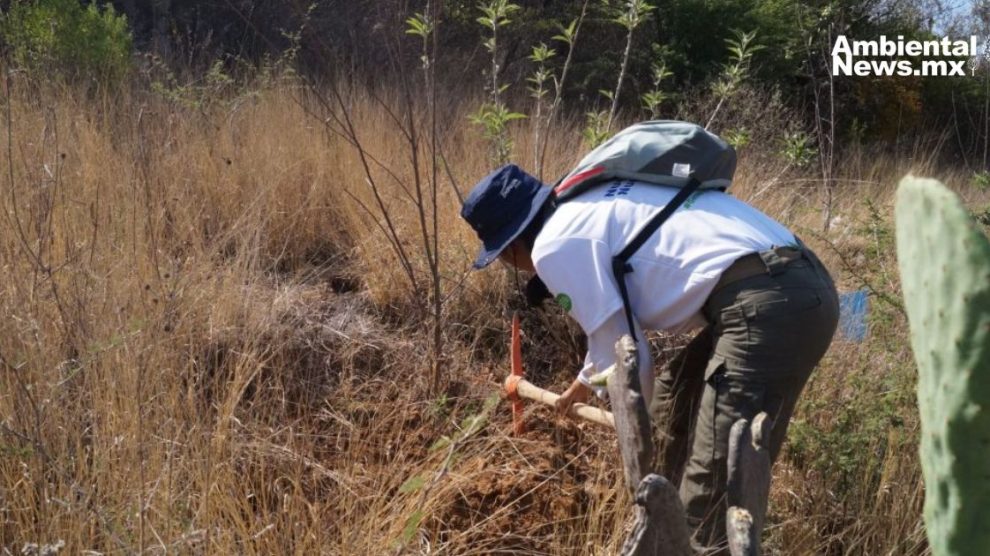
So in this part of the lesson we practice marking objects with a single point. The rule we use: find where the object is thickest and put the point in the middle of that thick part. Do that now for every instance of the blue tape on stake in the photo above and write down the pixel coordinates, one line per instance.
(853, 307)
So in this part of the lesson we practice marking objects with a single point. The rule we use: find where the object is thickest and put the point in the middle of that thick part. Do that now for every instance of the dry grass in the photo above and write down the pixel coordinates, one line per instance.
(208, 346)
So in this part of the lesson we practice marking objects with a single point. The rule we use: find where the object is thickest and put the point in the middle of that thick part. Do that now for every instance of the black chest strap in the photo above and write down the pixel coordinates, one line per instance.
(620, 262)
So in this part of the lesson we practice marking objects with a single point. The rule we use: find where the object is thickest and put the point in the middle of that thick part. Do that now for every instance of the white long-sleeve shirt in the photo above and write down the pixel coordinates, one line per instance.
(673, 272)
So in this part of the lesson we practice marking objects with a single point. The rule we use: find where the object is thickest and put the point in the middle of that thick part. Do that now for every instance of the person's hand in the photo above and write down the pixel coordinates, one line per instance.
(576, 393)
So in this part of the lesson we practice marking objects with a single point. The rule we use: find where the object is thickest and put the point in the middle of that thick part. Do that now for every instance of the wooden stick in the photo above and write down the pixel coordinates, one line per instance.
(515, 346)
(748, 484)
(660, 527)
(530, 391)
(743, 539)
(632, 421)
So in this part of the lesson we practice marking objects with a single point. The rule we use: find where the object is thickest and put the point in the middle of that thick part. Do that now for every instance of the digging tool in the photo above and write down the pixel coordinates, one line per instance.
(517, 388)
(660, 526)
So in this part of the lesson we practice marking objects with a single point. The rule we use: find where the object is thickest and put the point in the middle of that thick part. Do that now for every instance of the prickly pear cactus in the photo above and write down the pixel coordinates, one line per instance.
(945, 273)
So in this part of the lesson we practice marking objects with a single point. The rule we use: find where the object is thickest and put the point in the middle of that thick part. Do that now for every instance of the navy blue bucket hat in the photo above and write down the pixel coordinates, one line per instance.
(500, 207)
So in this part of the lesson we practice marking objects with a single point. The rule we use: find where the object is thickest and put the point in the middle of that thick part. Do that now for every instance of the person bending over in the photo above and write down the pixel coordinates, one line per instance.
(765, 305)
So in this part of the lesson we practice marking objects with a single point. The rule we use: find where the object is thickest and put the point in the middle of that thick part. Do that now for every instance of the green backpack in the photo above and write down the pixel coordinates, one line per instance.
(663, 152)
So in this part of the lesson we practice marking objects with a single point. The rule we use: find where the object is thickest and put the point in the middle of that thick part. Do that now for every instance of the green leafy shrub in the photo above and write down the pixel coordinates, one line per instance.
(595, 130)
(64, 38)
(798, 149)
(216, 88)
(738, 138)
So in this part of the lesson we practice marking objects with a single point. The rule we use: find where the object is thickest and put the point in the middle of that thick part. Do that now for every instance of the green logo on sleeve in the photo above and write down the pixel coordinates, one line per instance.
(564, 301)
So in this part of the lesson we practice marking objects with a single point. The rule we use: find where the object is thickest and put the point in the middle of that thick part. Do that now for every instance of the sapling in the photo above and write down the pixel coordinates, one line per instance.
(493, 116)
(741, 50)
(738, 138)
(635, 13)
(798, 149)
(569, 36)
(540, 56)
(423, 25)
(595, 130)
(656, 96)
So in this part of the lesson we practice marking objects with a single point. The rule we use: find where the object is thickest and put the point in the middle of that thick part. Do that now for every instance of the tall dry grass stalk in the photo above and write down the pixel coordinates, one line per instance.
(207, 345)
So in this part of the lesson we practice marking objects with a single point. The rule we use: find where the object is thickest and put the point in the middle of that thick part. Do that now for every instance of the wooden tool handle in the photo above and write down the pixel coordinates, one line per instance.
(529, 391)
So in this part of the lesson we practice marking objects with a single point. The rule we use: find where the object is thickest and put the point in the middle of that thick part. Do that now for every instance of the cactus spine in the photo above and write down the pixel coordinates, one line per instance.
(944, 260)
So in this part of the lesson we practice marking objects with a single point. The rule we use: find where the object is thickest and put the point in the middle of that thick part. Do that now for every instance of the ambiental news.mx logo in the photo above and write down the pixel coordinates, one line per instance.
(900, 57)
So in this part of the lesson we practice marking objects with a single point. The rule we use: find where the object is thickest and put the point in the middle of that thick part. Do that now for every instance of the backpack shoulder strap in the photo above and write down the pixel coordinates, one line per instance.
(620, 262)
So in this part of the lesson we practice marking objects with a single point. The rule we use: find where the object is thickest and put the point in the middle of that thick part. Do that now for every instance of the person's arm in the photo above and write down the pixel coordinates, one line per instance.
(578, 272)
(601, 355)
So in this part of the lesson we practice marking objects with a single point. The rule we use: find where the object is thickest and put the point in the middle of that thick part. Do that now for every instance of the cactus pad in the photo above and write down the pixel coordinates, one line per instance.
(944, 260)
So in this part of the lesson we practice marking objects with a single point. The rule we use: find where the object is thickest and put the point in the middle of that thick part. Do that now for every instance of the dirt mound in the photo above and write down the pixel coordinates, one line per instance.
(520, 493)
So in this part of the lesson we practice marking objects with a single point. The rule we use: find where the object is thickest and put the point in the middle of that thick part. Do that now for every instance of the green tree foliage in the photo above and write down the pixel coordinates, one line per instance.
(677, 54)
(696, 33)
(64, 37)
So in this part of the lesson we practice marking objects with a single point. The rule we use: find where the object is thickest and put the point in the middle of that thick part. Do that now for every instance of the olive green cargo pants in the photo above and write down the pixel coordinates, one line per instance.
(766, 334)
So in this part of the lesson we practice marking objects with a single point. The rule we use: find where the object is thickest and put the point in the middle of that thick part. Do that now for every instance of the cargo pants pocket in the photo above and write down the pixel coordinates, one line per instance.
(729, 395)
(736, 396)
